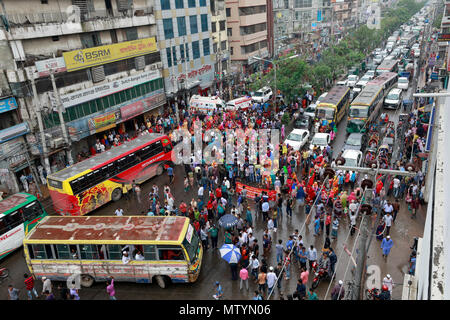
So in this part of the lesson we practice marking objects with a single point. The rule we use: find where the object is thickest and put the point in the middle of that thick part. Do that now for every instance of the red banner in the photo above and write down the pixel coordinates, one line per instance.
(253, 191)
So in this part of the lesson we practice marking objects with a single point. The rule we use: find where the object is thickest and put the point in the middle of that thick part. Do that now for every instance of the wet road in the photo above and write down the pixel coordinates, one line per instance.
(216, 269)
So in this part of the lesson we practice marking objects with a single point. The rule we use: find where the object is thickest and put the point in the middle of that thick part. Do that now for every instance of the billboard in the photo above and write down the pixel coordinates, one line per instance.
(85, 58)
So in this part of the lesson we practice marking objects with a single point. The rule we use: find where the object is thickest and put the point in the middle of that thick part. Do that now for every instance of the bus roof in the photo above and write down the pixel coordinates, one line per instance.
(335, 95)
(387, 64)
(15, 201)
(382, 78)
(104, 157)
(366, 96)
(108, 229)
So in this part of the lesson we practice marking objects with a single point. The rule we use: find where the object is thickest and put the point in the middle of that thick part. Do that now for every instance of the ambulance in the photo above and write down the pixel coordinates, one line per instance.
(243, 103)
(206, 105)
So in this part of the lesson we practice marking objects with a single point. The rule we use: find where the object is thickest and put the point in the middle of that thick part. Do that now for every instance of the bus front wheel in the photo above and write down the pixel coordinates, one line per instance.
(86, 280)
(160, 170)
(162, 281)
(116, 194)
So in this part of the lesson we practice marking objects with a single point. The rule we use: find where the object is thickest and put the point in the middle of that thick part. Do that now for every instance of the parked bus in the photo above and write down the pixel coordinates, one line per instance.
(386, 80)
(91, 183)
(19, 214)
(161, 249)
(332, 108)
(387, 66)
(365, 108)
(408, 39)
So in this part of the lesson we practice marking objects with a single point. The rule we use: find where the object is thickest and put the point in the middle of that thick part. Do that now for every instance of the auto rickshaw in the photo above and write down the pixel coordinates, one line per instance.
(373, 140)
(369, 156)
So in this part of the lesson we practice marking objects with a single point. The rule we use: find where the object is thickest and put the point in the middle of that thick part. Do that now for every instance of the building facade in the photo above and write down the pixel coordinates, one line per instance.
(247, 29)
(186, 45)
(77, 69)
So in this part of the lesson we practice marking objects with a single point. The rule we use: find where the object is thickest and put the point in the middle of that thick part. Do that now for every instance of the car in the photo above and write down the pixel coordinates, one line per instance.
(297, 138)
(303, 122)
(262, 95)
(351, 80)
(393, 99)
(403, 83)
(370, 73)
(353, 158)
(341, 83)
(378, 58)
(311, 109)
(416, 53)
(355, 141)
(320, 140)
(362, 82)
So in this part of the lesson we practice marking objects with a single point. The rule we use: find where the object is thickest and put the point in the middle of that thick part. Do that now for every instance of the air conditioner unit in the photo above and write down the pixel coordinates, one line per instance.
(56, 143)
(159, 65)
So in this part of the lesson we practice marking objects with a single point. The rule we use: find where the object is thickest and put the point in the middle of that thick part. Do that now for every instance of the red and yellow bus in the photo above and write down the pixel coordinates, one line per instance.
(89, 184)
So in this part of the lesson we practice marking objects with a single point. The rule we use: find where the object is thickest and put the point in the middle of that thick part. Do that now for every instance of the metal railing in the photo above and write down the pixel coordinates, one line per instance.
(61, 17)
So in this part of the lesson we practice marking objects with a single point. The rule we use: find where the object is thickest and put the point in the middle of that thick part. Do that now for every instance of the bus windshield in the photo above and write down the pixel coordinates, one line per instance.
(190, 243)
(360, 112)
(325, 113)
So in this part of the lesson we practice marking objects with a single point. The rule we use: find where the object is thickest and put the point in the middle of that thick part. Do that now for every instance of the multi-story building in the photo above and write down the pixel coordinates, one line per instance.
(77, 69)
(443, 42)
(247, 29)
(185, 41)
(220, 39)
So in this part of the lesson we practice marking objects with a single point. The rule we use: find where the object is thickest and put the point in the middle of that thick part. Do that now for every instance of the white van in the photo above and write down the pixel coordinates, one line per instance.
(206, 105)
(242, 103)
(262, 95)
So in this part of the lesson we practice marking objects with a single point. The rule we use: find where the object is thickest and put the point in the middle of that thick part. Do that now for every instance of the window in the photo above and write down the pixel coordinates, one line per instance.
(187, 51)
(182, 56)
(213, 27)
(222, 25)
(169, 57)
(303, 3)
(55, 38)
(44, 1)
(174, 56)
(191, 3)
(214, 47)
(131, 33)
(246, 11)
(179, 4)
(204, 20)
(165, 5)
(13, 220)
(202, 3)
(170, 253)
(195, 50)
(150, 252)
(181, 22)
(114, 252)
(206, 51)
(253, 29)
(229, 32)
(168, 28)
(41, 251)
(55, 184)
(89, 251)
(231, 50)
(193, 22)
(228, 10)
(31, 211)
(90, 39)
(62, 251)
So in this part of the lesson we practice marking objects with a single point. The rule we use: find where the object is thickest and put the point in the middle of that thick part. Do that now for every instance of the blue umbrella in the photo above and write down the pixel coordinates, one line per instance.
(230, 253)
(228, 221)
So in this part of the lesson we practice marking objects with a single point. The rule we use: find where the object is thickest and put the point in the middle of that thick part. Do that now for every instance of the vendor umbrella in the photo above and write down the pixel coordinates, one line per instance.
(228, 221)
(230, 253)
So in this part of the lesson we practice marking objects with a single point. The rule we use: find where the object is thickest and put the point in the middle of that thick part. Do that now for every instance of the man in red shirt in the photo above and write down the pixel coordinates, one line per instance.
(29, 284)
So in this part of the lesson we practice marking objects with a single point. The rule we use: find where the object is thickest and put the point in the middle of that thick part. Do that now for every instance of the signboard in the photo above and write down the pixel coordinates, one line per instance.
(85, 58)
(313, 26)
(443, 37)
(103, 122)
(8, 104)
(78, 129)
(319, 15)
(14, 132)
(56, 65)
(132, 110)
(106, 89)
(448, 59)
(252, 191)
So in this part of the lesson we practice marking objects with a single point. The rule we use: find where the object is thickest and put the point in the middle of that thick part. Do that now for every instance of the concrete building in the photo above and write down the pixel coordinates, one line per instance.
(185, 41)
(247, 29)
(77, 68)
(220, 40)
(444, 47)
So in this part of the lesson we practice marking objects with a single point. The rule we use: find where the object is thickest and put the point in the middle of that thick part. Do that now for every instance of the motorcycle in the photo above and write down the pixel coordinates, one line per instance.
(371, 294)
(319, 276)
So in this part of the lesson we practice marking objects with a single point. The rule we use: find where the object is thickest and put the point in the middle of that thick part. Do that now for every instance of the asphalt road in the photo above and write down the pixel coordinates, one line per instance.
(216, 269)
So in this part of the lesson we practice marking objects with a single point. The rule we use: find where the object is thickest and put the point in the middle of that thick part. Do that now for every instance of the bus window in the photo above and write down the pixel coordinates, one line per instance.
(62, 251)
(42, 251)
(74, 252)
(89, 251)
(13, 219)
(150, 252)
(114, 252)
(167, 148)
(3, 228)
(170, 253)
(102, 251)
(32, 211)
(30, 251)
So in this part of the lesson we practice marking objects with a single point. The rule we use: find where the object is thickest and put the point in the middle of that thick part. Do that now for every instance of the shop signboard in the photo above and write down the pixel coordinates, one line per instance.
(14, 132)
(132, 110)
(85, 58)
(55, 65)
(103, 122)
(8, 104)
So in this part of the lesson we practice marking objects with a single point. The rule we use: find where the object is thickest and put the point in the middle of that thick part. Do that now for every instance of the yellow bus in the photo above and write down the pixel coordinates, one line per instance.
(333, 107)
(161, 249)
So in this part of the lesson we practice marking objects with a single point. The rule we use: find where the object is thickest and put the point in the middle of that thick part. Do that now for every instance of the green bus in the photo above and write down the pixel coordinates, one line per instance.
(19, 214)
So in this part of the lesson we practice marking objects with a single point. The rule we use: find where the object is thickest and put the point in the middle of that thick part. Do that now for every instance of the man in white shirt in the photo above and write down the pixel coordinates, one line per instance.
(170, 204)
(227, 183)
(271, 279)
(102, 147)
(387, 218)
(119, 212)
(312, 256)
(388, 282)
(353, 207)
(396, 186)
(125, 258)
(139, 256)
(200, 192)
(265, 209)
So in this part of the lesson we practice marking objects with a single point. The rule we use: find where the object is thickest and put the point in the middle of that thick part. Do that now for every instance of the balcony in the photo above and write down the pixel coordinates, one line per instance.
(47, 24)
(253, 37)
(252, 3)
